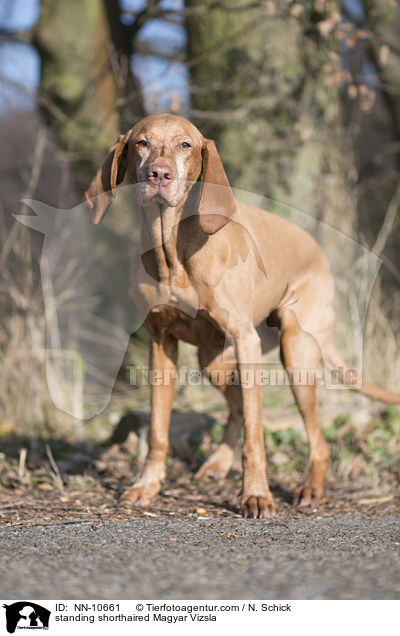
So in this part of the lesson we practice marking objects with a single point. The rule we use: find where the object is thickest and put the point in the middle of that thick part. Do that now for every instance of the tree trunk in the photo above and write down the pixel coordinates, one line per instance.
(383, 19)
(85, 80)
(268, 81)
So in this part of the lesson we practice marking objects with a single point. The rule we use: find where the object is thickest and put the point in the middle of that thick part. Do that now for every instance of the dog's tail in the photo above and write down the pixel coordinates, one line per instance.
(347, 376)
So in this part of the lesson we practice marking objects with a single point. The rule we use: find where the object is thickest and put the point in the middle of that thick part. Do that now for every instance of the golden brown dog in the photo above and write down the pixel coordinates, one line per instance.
(219, 274)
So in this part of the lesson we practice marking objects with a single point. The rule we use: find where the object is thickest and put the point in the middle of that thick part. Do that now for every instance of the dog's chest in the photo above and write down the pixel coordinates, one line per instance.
(173, 290)
(170, 299)
(199, 330)
(161, 278)
(177, 310)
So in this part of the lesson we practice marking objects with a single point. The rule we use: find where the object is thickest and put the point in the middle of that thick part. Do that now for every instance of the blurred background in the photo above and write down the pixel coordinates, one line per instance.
(303, 101)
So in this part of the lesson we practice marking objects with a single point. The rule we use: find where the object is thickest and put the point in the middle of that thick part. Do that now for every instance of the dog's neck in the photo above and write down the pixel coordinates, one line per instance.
(159, 233)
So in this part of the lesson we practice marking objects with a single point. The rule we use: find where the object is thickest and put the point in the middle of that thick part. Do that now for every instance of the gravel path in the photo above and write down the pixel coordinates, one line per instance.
(352, 557)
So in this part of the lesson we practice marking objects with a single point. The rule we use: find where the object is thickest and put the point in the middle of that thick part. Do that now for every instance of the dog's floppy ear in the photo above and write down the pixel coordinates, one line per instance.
(216, 203)
(101, 191)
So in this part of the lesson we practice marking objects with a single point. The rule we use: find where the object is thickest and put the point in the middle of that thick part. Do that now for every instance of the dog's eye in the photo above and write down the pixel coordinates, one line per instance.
(186, 144)
(142, 142)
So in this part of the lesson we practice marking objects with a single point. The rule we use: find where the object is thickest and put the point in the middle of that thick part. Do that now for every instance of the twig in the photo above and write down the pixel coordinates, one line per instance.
(391, 267)
(57, 473)
(13, 504)
(22, 463)
(375, 500)
(387, 224)
(29, 193)
(34, 523)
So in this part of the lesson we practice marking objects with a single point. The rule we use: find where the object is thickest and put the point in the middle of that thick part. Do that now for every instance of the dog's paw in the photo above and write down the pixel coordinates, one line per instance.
(140, 494)
(217, 465)
(257, 507)
(307, 495)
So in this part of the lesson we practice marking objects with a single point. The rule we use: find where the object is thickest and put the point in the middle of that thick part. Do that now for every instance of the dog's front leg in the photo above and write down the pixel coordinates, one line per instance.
(163, 357)
(256, 499)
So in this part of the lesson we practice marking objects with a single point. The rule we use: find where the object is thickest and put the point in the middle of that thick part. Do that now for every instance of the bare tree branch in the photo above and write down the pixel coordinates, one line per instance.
(388, 223)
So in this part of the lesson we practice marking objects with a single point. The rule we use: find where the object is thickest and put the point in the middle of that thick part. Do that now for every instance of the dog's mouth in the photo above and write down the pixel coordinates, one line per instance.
(166, 193)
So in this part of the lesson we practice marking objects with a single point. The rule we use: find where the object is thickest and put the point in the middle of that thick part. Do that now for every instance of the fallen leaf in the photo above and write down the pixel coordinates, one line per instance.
(45, 486)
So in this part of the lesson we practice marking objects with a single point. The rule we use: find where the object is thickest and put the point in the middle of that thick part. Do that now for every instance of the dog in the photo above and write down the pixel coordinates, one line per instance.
(222, 276)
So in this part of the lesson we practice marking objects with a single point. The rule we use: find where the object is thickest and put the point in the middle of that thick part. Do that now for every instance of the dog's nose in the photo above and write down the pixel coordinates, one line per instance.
(159, 172)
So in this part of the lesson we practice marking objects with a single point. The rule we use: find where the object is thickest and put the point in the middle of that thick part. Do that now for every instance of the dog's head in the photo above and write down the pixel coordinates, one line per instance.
(165, 155)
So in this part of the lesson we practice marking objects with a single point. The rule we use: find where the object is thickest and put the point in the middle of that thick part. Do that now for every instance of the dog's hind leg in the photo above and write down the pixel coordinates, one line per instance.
(300, 354)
